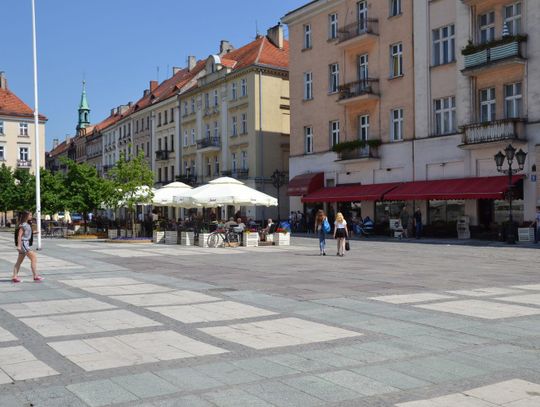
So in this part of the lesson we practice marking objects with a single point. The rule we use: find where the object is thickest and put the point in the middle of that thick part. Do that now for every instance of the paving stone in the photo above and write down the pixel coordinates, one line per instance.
(485, 292)
(482, 309)
(188, 379)
(264, 367)
(100, 282)
(128, 289)
(28, 309)
(101, 393)
(186, 401)
(358, 383)
(297, 362)
(451, 400)
(145, 385)
(506, 392)
(391, 377)
(170, 298)
(234, 398)
(321, 388)
(53, 396)
(281, 395)
(228, 373)
(411, 298)
(6, 336)
(20, 364)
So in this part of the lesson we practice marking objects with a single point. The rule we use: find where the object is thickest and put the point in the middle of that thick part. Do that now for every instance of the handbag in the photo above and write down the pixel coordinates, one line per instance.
(347, 246)
(326, 226)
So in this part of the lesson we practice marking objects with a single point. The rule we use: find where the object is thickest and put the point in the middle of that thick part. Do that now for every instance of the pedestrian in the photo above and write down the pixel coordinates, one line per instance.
(23, 241)
(418, 223)
(320, 222)
(537, 223)
(340, 233)
(405, 220)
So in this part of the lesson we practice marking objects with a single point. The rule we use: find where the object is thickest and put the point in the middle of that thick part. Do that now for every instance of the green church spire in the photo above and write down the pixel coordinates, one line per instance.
(84, 110)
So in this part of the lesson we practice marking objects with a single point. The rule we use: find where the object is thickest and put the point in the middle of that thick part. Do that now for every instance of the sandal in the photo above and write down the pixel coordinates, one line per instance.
(38, 278)
(16, 280)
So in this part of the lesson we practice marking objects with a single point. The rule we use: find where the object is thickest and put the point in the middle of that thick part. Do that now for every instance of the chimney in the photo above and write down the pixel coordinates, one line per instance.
(123, 108)
(175, 70)
(225, 47)
(275, 35)
(3, 80)
(192, 61)
(113, 111)
(54, 143)
(153, 85)
(146, 92)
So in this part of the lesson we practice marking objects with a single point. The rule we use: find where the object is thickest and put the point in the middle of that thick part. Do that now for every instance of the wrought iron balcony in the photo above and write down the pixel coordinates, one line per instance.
(359, 153)
(187, 179)
(492, 132)
(209, 143)
(364, 87)
(162, 155)
(483, 55)
(358, 29)
(24, 164)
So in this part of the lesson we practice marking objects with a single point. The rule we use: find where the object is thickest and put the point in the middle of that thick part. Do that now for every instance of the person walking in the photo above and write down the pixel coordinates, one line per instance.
(418, 223)
(24, 236)
(405, 220)
(340, 233)
(320, 221)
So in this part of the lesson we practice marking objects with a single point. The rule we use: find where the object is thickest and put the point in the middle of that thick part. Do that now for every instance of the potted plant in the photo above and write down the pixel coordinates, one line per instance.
(250, 238)
(282, 237)
(203, 238)
(158, 235)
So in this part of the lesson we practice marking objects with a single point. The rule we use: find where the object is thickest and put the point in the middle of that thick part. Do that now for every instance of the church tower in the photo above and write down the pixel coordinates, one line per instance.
(84, 111)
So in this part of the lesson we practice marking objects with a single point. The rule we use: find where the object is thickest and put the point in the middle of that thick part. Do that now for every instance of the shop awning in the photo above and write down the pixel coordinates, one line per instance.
(350, 193)
(305, 184)
(462, 188)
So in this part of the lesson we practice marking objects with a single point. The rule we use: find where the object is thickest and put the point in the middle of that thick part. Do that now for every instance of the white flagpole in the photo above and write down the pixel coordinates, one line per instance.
(36, 127)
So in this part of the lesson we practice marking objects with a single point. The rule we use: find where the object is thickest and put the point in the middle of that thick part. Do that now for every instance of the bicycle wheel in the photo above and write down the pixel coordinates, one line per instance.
(214, 239)
(233, 237)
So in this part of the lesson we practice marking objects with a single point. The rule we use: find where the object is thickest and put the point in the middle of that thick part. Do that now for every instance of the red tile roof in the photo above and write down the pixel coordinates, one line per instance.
(261, 51)
(11, 105)
(60, 148)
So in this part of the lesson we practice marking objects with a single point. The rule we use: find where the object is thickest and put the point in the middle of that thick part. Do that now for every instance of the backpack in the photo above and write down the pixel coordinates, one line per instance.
(326, 226)
(16, 237)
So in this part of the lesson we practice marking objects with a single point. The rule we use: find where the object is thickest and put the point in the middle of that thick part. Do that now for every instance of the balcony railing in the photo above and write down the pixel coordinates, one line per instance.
(241, 173)
(226, 173)
(359, 153)
(359, 88)
(358, 29)
(162, 155)
(24, 163)
(187, 179)
(209, 142)
(498, 130)
(484, 54)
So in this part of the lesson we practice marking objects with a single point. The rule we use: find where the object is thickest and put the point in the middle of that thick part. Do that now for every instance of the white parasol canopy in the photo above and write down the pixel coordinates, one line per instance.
(174, 194)
(229, 191)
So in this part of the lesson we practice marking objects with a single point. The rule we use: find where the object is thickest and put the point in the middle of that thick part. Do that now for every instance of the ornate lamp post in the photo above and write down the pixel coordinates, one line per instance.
(279, 178)
(520, 157)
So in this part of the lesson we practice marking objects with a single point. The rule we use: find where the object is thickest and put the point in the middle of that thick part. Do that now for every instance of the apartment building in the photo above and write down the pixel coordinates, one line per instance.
(17, 141)
(234, 121)
(471, 90)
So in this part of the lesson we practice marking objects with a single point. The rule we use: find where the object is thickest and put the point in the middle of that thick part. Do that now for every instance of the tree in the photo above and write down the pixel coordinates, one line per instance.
(7, 190)
(53, 192)
(25, 191)
(132, 180)
(84, 189)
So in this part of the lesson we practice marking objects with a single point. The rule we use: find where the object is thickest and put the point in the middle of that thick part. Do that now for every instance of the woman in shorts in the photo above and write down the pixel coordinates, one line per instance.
(23, 247)
(340, 233)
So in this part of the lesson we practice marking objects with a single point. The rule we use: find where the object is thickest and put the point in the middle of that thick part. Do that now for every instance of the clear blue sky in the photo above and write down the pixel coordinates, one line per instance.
(117, 45)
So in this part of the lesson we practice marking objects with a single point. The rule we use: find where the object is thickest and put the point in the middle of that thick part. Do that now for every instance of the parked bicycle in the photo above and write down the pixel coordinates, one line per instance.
(222, 237)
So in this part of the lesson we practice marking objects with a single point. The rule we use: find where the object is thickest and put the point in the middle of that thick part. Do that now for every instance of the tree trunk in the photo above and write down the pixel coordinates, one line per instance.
(85, 225)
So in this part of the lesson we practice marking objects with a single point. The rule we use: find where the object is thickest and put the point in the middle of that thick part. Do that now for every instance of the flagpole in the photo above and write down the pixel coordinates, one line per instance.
(36, 130)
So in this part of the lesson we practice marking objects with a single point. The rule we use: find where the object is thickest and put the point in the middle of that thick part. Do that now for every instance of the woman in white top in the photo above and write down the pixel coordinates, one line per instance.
(340, 233)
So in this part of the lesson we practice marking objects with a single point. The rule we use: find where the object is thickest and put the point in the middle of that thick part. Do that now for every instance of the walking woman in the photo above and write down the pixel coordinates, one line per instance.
(24, 234)
(320, 219)
(340, 233)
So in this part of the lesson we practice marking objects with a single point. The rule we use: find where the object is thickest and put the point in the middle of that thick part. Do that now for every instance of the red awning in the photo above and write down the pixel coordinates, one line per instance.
(350, 193)
(305, 183)
(463, 188)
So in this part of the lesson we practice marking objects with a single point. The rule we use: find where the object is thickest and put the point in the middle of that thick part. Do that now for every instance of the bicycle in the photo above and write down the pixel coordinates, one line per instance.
(222, 237)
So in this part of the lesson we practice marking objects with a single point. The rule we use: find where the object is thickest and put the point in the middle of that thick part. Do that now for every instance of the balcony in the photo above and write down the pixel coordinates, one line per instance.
(364, 153)
(187, 179)
(362, 29)
(226, 173)
(162, 155)
(241, 173)
(359, 90)
(209, 144)
(24, 164)
(504, 51)
(477, 135)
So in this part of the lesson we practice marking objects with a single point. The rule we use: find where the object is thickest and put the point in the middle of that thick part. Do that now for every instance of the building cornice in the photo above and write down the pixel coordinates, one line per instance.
(309, 10)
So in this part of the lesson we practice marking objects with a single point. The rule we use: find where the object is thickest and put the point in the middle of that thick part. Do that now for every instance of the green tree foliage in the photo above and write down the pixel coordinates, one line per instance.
(7, 190)
(53, 192)
(25, 191)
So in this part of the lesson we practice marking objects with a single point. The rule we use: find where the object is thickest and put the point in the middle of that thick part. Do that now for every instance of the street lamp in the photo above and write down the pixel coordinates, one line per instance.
(279, 178)
(520, 157)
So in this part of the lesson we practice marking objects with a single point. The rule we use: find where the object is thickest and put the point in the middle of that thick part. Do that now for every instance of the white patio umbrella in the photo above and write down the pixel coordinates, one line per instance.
(229, 191)
(175, 194)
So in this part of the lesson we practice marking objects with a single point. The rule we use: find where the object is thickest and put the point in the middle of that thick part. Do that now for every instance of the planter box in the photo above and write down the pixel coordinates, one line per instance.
(158, 237)
(112, 233)
(126, 233)
(203, 240)
(171, 237)
(250, 239)
(91, 231)
(282, 239)
(187, 238)
(526, 234)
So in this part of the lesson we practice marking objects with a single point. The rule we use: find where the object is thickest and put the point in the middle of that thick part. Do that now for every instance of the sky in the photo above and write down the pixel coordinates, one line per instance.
(117, 47)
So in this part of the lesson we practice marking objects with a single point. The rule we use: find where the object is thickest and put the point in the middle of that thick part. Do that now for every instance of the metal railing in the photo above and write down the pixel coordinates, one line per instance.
(357, 29)
(498, 130)
(209, 142)
(24, 163)
(493, 54)
(162, 155)
(359, 153)
(359, 88)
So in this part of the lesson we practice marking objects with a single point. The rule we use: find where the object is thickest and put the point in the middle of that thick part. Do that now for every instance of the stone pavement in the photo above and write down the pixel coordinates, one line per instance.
(390, 324)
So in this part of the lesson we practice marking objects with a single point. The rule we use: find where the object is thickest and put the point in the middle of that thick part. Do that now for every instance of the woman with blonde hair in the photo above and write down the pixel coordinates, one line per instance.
(320, 231)
(23, 237)
(340, 233)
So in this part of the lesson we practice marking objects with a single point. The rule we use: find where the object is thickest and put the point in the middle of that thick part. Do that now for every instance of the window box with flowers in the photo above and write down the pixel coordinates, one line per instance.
(158, 236)
(250, 238)
(282, 237)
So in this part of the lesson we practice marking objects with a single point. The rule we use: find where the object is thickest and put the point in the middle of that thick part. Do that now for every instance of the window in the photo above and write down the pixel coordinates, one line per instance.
(234, 126)
(487, 105)
(185, 108)
(244, 123)
(23, 129)
(136, 127)
(216, 97)
(243, 88)
(193, 168)
(2, 153)
(512, 18)
(308, 85)
(334, 78)
(159, 175)
(147, 148)
(244, 160)
(186, 167)
(216, 165)
(206, 100)
(165, 119)
(487, 27)
(208, 167)
(307, 36)
(444, 44)
(147, 122)
(396, 60)
(234, 166)
(216, 130)
(172, 172)
(445, 115)
(363, 127)
(1, 127)
(512, 100)
(172, 115)
(159, 144)
(166, 171)
(333, 26)
(308, 139)
(159, 119)
(185, 138)
(362, 11)
(23, 153)
(334, 133)
(172, 142)
(397, 124)
(395, 7)
(234, 93)
(363, 69)
(208, 133)
(192, 105)
(137, 150)
(192, 136)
